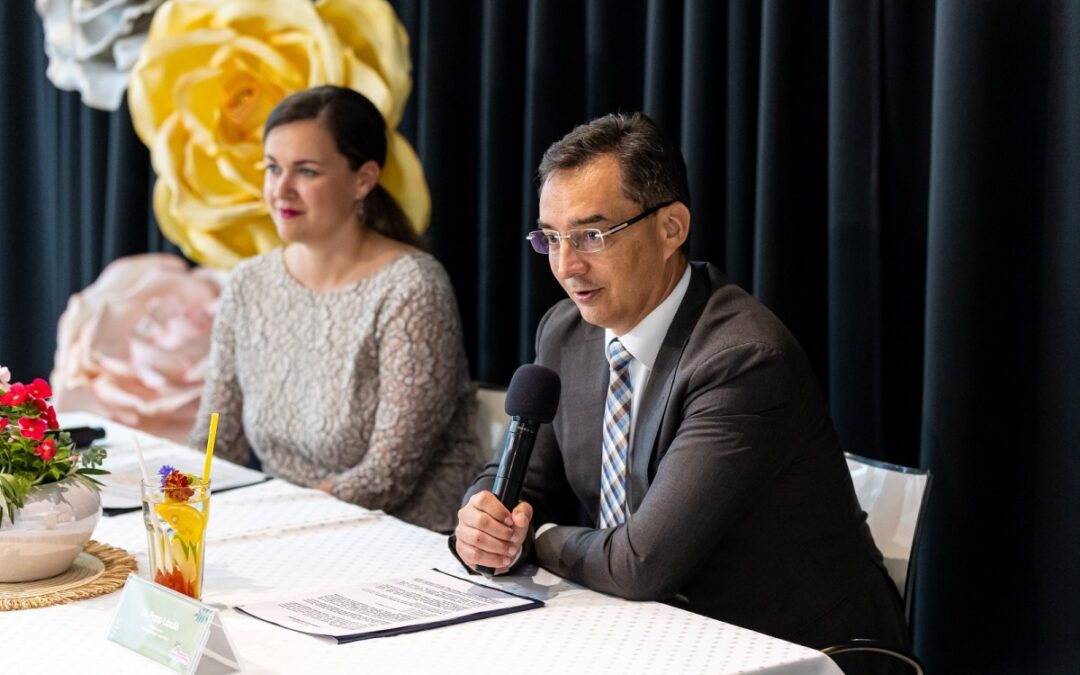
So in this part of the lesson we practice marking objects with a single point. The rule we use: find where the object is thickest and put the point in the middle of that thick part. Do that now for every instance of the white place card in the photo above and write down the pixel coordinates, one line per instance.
(172, 629)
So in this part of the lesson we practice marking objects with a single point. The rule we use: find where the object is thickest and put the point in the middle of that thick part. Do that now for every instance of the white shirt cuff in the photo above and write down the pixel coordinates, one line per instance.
(542, 529)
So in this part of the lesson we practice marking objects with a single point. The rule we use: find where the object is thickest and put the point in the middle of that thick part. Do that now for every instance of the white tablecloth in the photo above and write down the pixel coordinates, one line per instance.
(275, 540)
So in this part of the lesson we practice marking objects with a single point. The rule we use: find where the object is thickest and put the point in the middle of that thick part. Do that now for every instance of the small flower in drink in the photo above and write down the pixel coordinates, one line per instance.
(177, 486)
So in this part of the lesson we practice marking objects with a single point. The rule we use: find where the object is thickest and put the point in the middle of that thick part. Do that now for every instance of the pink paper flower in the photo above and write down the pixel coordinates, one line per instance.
(133, 345)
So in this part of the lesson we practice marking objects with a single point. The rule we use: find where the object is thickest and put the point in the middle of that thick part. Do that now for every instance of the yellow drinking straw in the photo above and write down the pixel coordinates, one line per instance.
(209, 448)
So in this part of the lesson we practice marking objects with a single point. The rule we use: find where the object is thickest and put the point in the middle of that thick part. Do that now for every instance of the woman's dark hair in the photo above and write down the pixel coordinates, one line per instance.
(360, 135)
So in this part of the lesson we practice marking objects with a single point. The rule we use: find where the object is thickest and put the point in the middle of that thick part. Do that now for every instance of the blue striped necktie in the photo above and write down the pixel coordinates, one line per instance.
(616, 437)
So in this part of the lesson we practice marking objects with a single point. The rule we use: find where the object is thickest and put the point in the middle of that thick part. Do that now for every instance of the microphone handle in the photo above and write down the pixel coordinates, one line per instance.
(510, 478)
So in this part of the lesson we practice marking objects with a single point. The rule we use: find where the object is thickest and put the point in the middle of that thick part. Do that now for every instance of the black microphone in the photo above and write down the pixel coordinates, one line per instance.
(531, 400)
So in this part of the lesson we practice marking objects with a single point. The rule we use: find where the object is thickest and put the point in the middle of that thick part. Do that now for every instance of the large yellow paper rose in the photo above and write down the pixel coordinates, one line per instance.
(208, 76)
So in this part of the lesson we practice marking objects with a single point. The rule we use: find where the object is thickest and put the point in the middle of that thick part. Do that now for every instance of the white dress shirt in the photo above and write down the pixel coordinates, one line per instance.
(643, 342)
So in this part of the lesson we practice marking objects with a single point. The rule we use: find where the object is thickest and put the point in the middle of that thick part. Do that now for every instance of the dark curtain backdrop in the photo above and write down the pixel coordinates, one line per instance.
(898, 179)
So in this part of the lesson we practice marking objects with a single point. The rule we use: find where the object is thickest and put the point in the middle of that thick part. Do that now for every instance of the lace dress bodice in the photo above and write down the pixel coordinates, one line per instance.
(366, 385)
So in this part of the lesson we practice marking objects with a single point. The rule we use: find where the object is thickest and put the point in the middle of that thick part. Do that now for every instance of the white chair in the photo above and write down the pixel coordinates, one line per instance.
(894, 498)
(491, 421)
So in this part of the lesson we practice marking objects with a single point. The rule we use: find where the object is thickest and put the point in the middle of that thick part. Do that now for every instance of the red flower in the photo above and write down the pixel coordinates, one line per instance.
(50, 417)
(177, 487)
(39, 388)
(3, 422)
(14, 396)
(32, 428)
(46, 450)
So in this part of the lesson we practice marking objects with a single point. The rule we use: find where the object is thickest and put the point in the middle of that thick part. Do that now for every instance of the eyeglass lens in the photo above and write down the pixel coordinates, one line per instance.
(588, 240)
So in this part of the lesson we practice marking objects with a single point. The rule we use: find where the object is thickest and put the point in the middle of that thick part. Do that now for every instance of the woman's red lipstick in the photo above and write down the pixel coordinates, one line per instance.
(288, 213)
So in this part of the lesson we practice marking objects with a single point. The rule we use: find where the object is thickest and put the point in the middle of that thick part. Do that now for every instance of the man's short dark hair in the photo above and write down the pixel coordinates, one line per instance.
(653, 170)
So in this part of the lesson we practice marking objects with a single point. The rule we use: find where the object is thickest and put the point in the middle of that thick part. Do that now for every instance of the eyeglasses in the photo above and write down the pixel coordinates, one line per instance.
(584, 239)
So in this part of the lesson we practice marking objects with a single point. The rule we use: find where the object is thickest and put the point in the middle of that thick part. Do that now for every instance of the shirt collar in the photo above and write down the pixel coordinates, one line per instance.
(643, 340)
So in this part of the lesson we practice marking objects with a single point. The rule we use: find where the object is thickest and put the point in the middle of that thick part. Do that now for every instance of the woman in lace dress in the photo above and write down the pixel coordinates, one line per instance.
(337, 360)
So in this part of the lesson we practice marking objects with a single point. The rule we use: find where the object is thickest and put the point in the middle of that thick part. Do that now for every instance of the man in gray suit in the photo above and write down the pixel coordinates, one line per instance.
(696, 464)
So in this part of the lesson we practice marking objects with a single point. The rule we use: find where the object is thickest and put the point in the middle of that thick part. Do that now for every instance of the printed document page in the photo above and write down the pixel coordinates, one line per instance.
(426, 600)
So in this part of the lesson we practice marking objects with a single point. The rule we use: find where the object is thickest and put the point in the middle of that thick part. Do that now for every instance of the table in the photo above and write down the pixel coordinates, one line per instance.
(275, 540)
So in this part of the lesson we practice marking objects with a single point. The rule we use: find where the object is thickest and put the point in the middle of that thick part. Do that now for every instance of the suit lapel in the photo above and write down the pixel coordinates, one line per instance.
(585, 381)
(655, 398)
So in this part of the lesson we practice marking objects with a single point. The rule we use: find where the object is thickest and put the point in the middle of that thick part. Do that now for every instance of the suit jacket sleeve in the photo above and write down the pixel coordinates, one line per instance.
(734, 432)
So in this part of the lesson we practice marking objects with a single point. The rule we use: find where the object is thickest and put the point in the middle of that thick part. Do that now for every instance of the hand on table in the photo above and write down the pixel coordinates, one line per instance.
(488, 534)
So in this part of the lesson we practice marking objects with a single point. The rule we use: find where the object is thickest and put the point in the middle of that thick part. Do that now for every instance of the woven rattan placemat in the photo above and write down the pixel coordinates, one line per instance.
(98, 570)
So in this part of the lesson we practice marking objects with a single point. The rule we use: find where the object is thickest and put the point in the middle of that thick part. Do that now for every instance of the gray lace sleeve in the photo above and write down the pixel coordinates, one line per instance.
(221, 393)
(420, 365)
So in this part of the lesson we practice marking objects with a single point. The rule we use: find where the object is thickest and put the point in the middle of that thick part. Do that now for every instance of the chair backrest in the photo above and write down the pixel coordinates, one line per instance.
(491, 420)
(894, 498)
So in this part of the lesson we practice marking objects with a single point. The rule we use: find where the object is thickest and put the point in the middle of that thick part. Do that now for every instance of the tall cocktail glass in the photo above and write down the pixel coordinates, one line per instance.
(175, 521)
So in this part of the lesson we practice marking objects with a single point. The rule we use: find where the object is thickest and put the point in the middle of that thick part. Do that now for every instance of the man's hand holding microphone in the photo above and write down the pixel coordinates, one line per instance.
(493, 525)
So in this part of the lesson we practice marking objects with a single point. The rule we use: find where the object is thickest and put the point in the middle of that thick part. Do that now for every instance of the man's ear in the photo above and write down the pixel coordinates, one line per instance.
(674, 227)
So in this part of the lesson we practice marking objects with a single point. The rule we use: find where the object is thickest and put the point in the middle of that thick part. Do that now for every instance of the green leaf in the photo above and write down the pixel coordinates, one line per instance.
(14, 488)
(92, 456)
(87, 480)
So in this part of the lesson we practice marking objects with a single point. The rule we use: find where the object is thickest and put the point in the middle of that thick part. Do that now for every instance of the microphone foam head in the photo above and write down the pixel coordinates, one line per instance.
(533, 393)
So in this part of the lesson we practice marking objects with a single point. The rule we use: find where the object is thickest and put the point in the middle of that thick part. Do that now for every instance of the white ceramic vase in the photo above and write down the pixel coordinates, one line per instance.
(49, 531)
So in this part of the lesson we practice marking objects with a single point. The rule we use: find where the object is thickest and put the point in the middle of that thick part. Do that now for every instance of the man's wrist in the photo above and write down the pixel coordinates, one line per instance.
(521, 551)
